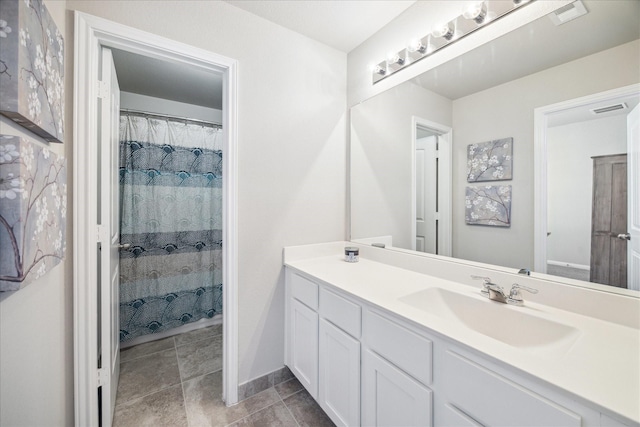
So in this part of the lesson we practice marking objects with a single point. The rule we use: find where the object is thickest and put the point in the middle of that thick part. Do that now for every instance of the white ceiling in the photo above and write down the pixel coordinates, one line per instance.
(536, 47)
(342, 24)
(168, 80)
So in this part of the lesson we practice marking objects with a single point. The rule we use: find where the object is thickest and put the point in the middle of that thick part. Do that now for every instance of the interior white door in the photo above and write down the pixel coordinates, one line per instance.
(426, 194)
(633, 202)
(109, 235)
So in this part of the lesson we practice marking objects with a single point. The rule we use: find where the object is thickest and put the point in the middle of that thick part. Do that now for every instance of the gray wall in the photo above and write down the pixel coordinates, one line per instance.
(507, 111)
(292, 190)
(381, 157)
(36, 322)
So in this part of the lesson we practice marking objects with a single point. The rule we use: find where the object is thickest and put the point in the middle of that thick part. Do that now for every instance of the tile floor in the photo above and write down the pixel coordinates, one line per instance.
(177, 381)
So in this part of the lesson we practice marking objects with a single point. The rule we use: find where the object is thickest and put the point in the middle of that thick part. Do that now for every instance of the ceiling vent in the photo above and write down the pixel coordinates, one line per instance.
(568, 13)
(609, 108)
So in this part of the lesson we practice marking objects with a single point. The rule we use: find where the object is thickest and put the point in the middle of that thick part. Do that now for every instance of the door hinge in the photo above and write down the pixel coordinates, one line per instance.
(100, 231)
(103, 90)
(102, 376)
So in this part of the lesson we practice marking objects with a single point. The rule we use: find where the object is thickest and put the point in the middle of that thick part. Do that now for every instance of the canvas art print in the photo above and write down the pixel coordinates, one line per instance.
(488, 205)
(490, 161)
(32, 68)
(33, 208)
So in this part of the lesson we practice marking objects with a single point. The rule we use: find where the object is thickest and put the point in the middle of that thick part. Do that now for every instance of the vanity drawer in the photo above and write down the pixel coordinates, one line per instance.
(493, 400)
(304, 290)
(407, 350)
(341, 312)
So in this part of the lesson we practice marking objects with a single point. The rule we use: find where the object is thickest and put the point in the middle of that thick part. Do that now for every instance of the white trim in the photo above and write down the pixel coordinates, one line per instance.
(445, 196)
(540, 117)
(569, 264)
(90, 34)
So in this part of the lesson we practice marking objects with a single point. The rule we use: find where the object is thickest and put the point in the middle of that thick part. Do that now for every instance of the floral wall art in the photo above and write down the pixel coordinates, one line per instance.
(33, 208)
(490, 161)
(488, 205)
(32, 68)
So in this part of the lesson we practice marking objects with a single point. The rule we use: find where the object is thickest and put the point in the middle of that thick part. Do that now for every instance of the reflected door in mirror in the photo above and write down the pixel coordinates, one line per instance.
(609, 219)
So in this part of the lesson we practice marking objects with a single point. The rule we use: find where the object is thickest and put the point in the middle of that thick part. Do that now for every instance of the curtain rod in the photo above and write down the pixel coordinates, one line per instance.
(168, 116)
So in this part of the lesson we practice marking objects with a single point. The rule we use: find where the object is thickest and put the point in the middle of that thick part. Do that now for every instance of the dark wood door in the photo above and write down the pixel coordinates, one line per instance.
(608, 219)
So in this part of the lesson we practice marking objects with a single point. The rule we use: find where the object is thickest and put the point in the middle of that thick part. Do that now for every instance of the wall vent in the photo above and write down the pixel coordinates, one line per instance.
(609, 108)
(568, 13)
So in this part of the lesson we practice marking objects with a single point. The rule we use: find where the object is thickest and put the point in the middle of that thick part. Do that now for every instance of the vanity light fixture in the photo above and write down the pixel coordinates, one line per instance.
(476, 12)
(476, 15)
(443, 30)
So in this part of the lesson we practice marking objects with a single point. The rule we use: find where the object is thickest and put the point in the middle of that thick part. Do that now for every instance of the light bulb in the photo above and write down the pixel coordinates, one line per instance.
(475, 11)
(379, 70)
(416, 45)
(443, 30)
(394, 58)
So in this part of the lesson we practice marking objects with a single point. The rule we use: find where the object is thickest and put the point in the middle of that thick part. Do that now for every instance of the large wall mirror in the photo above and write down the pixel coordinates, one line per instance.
(411, 147)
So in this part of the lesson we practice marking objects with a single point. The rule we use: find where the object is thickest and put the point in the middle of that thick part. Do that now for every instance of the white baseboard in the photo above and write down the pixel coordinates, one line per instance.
(569, 264)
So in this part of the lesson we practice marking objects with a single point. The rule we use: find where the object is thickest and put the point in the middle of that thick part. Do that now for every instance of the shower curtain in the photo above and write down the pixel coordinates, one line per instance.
(171, 215)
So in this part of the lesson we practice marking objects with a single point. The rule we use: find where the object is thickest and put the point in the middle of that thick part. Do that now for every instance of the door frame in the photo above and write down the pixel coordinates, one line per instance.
(91, 33)
(444, 185)
(540, 118)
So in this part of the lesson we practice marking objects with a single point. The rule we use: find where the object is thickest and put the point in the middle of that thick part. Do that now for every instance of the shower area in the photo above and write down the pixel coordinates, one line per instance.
(170, 225)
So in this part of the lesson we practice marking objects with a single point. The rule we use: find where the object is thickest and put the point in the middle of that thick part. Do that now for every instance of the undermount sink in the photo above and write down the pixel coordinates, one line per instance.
(508, 324)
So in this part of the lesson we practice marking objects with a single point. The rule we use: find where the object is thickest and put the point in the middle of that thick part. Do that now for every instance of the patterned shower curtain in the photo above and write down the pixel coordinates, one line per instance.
(171, 215)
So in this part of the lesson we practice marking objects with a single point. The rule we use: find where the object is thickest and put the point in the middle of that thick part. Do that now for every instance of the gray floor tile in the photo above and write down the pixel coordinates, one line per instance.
(306, 411)
(287, 388)
(147, 374)
(164, 408)
(276, 415)
(198, 334)
(282, 375)
(205, 407)
(146, 349)
(200, 357)
(255, 386)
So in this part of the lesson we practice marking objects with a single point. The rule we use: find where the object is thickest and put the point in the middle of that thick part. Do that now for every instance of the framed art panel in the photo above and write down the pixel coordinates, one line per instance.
(33, 210)
(490, 161)
(32, 68)
(488, 205)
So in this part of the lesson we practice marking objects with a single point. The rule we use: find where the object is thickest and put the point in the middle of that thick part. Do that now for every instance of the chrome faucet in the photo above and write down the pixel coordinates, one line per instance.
(515, 297)
(496, 292)
(491, 290)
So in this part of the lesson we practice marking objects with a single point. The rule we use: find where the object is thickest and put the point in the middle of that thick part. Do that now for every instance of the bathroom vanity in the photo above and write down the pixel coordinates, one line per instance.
(398, 339)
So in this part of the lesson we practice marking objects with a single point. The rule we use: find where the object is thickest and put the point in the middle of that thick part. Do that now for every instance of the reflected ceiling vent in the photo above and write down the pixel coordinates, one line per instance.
(568, 13)
(609, 108)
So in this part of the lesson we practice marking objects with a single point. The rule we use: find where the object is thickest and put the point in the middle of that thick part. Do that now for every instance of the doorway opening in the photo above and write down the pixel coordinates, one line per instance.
(94, 299)
(431, 192)
(584, 196)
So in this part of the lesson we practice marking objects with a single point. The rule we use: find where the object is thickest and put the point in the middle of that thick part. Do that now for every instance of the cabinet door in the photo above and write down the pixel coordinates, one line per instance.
(304, 346)
(339, 378)
(392, 398)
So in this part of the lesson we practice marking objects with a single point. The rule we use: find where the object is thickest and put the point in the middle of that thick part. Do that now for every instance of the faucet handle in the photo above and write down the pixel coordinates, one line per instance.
(486, 282)
(515, 297)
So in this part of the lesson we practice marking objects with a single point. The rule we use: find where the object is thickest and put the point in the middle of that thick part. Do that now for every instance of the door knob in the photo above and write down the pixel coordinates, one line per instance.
(625, 236)
(124, 246)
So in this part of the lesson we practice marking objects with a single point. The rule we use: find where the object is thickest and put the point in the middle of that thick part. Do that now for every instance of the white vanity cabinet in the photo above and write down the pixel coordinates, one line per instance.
(323, 347)
(484, 397)
(396, 371)
(302, 336)
(373, 367)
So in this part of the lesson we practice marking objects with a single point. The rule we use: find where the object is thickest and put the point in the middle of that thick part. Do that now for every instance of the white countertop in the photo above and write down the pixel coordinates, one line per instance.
(602, 366)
